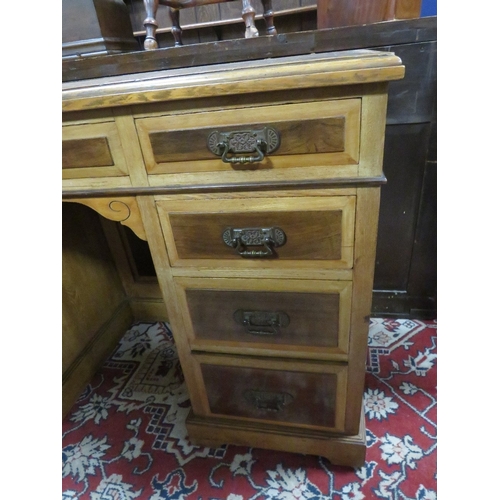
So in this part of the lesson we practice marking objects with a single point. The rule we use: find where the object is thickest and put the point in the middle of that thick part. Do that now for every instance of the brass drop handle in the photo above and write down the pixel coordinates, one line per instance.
(240, 146)
(267, 400)
(268, 243)
(262, 322)
(272, 329)
(242, 238)
(260, 148)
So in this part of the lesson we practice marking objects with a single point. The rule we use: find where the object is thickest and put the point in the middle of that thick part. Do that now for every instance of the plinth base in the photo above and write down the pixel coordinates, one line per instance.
(338, 449)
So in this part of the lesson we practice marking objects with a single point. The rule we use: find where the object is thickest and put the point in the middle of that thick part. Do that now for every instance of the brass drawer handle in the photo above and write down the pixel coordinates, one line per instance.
(242, 238)
(231, 145)
(262, 322)
(266, 400)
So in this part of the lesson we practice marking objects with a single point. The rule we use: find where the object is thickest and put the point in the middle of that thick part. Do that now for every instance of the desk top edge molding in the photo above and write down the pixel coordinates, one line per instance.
(297, 72)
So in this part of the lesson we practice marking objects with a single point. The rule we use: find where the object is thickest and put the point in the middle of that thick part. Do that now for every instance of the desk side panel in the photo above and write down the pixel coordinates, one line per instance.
(95, 309)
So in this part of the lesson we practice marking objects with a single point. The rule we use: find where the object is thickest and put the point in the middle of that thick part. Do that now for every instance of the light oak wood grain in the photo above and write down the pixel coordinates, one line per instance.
(96, 183)
(162, 138)
(372, 133)
(367, 209)
(145, 309)
(324, 189)
(136, 287)
(123, 210)
(314, 70)
(92, 150)
(341, 450)
(126, 129)
(165, 279)
(95, 310)
(80, 372)
(226, 256)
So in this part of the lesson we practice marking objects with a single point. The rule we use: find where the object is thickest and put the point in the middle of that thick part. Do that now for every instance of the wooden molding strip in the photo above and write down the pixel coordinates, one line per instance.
(227, 188)
(246, 49)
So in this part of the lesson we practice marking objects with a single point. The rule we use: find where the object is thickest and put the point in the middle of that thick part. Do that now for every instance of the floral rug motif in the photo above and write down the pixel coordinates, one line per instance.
(125, 438)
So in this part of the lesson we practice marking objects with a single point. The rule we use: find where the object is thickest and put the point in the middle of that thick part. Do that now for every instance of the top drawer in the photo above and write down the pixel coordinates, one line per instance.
(308, 134)
(92, 150)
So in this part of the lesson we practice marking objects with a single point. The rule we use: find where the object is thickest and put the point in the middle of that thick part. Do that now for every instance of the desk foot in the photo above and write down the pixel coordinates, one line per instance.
(338, 449)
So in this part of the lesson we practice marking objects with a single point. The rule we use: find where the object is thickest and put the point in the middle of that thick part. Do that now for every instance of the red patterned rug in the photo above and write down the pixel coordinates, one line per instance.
(125, 437)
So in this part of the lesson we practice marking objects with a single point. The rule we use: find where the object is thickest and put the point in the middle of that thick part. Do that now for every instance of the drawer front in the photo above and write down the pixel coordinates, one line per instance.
(285, 232)
(291, 393)
(296, 135)
(295, 318)
(92, 150)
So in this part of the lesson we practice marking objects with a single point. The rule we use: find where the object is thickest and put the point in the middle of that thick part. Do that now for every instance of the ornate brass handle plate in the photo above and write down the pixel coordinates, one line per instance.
(231, 145)
(262, 322)
(242, 238)
(266, 400)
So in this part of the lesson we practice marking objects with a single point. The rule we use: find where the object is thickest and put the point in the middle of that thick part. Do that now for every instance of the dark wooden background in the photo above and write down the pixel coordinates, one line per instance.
(223, 21)
(405, 272)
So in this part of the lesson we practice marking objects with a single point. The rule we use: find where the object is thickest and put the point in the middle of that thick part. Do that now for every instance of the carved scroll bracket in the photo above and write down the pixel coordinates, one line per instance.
(124, 210)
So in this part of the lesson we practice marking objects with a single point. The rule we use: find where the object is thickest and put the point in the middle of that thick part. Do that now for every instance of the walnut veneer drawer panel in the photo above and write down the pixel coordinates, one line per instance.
(311, 134)
(287, 318)
(305, 231)
(291, 393)
(92, 150)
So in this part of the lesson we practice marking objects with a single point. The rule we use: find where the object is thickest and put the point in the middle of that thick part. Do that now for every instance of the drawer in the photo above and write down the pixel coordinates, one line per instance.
(260, 233)
(291, 393)
(92, 150)
(286, 318)
(295, 135)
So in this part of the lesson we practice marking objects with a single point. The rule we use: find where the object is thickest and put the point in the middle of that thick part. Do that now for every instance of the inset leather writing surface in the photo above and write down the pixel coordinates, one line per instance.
(291, 397)
(285, 318)
(82, 153)
(309, 235)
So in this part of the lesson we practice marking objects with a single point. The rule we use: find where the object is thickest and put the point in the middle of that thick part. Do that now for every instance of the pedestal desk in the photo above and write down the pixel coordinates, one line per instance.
(256, 185)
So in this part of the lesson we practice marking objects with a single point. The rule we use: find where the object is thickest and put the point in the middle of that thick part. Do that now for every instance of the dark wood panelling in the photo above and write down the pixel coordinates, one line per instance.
(406, 269)
(311, 398)
(223, 21)
(422, 282)
(412, 99)
(107, 28)
(376, 35)
(404, 157)
(354, 12)
(297, 137)
(313, 317)
(405, 274)
(315, 235)
(80, 153)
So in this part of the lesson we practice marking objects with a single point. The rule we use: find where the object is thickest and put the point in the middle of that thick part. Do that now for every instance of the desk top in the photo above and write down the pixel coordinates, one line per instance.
(293, 72)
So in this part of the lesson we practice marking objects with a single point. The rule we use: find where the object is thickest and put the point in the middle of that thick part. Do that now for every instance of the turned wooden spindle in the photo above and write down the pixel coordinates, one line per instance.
(267, 5)
(248, 15)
